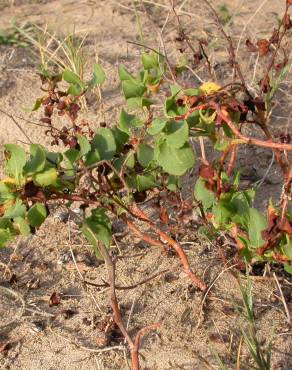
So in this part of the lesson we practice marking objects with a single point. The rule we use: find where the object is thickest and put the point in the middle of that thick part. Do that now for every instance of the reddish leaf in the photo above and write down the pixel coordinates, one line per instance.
(250, 46)
(55, 299)
(163, 215)
(4, 347)
(286, 226)
(206, 171)
(265, 85)
(263, 47)
(46, 120)
(140, 196)
(197, 57)
(49, 109)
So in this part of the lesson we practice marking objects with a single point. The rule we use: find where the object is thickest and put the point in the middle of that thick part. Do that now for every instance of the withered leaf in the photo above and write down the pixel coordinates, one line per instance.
(206, 171)
(4, 347)
(250, 46)
(265, 84)
(263, 47)
(55, 299)
(163, 215)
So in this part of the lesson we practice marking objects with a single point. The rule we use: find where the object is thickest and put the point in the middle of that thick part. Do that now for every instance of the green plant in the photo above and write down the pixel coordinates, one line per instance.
(11, 37)
(261, 356)
(113, 170)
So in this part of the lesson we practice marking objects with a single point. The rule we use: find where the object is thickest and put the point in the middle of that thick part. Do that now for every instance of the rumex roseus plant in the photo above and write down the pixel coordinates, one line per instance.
(115, 170)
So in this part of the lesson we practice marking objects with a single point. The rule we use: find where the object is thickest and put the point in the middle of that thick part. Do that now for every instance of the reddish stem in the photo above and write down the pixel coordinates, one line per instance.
(183, 257)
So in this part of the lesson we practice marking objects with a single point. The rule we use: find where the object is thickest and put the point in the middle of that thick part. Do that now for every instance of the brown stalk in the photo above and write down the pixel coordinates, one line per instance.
(133, 345)
(232, 160)
(175, 245)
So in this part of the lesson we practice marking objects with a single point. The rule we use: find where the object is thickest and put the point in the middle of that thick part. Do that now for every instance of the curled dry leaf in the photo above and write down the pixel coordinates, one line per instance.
(55, 299)
(250, 46)
(265, 85)
(207, 171)
(263, 47)
(163, 215)
(5, 347)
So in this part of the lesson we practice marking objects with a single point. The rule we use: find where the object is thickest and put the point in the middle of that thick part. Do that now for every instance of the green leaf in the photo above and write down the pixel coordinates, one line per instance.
(37, 160)
(171, 107)
(75, 90)
(287, 250)
(5, 236)
(257, 224)
(175, 161)
(37, 215)
(125, 160)
(17, 209)
(173, 183)
(223, 211)
(16, 161)
(98, 76)
(204, 195)
(6, 192)
(104, 141)
(133, 88)
(53, 159)
(192, 92)
(97, 228)
(128, 121)
(92, 158)
(181, 66)
(287, 267)
(71, 157)
(177, 133)
(145, 154)
(22, 226)
(241, 202)
(124, 74)
(145, 182)
(76, 85)
(156, 126)
(36, 106)
(84, 144)
(150, 60)
(139, 102)
(46, 178)
(71, 77)
(120, 137)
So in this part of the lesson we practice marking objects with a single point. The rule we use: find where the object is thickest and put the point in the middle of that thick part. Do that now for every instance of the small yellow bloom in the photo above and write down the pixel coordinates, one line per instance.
(209, 88)
(8, 180)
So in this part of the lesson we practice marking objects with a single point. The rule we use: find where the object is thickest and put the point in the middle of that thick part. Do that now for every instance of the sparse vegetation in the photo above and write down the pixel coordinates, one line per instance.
(113, 171)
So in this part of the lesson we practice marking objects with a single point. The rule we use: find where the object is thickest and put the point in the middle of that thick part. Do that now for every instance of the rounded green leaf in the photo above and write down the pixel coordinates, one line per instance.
(71, 77)
(37, 215)
(97, 228)
(156, 126)
(46, 178)
(145, 154)
(98, 76)
(104, 141)
(175, 161)
(133, 88)
(16, 161)
(37, 160)
(177, 133)
(257, 224)
(204, 195)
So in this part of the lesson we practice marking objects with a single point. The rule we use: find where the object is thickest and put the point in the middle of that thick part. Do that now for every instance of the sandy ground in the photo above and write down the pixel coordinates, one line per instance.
(72, 335)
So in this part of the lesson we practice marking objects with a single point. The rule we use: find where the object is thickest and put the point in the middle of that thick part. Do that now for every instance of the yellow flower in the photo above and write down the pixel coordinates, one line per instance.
(209, 88)
(8, 180)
